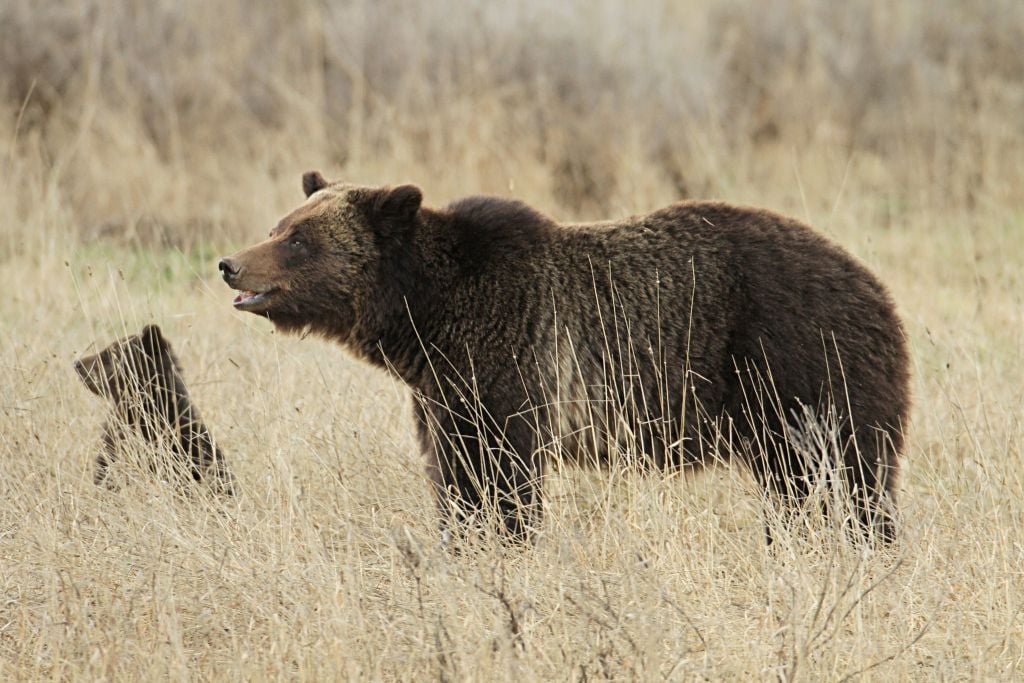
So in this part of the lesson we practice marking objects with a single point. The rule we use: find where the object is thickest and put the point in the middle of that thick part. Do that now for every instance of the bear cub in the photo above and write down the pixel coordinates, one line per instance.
(142, 377)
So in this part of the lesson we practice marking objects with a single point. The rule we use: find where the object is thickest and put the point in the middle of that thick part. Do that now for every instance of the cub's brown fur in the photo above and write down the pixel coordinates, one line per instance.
(141, 376)
(697, 332)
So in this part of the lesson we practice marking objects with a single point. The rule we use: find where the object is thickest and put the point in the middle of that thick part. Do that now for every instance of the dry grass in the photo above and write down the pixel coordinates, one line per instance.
(137, 139)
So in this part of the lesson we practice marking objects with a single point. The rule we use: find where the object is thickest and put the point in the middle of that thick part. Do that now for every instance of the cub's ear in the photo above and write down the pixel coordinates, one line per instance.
(152, 339)
(399, 204)
(312, 181)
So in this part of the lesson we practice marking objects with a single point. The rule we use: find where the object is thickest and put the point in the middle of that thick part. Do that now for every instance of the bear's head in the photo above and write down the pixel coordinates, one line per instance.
(320, 266)
(132, 370)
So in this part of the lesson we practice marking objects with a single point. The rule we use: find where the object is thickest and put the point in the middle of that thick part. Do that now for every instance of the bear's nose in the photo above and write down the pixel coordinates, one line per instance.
(229, 268)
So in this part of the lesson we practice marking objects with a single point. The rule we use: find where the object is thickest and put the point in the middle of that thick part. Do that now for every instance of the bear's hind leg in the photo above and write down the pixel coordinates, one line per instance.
(785, 485)
(871, 480)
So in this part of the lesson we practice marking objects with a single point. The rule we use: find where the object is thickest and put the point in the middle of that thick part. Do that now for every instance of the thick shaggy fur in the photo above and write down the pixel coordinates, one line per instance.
(699, 332)
(141, 376)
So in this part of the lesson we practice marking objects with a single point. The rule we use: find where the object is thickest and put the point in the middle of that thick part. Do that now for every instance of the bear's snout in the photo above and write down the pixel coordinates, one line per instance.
(89, 371)
(229, 269)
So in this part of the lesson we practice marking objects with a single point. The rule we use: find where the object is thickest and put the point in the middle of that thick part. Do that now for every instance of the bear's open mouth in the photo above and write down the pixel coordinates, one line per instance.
(248, 299)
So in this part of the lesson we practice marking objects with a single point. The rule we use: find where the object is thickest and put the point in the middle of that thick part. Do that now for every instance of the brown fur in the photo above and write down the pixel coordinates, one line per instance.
(141, 376)
(670, 339)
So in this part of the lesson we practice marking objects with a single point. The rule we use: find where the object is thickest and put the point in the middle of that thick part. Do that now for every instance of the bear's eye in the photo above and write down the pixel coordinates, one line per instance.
(296, 242)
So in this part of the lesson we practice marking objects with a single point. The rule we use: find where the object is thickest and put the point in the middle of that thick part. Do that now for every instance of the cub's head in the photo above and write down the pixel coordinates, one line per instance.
(318, 268)
(131, 368)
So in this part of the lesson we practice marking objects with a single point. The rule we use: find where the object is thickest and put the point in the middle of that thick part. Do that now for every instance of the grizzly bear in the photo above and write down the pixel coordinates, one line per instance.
(697, 333)
(141, 375)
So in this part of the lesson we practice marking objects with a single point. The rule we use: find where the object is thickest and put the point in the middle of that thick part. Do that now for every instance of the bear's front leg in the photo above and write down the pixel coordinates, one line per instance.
(479, 470)
(113, 434)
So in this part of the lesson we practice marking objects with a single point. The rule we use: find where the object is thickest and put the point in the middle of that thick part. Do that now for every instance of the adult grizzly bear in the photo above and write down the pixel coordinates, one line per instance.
(695, 333)
(142, 378)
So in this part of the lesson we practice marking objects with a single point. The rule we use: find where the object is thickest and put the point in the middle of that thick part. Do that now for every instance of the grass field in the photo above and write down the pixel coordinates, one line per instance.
(137, 144)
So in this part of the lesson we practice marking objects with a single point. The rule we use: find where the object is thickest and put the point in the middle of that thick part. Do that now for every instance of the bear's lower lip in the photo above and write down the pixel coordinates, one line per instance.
(252, 301)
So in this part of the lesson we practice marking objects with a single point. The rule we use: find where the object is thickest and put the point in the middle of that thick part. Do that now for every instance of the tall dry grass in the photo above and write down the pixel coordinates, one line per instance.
(138, 139)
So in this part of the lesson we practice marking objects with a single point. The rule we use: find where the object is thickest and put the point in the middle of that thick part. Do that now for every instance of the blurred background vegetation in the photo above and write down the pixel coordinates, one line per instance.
(163, 121)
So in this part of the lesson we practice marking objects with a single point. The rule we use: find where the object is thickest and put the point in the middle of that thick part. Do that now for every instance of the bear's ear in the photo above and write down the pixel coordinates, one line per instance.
(312, 181)
(398, 205)
(153, 340)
